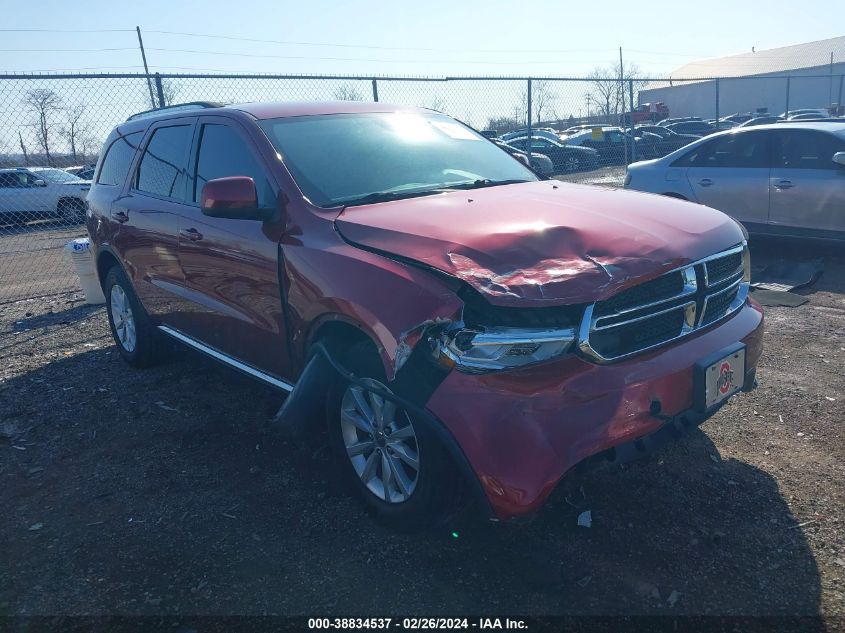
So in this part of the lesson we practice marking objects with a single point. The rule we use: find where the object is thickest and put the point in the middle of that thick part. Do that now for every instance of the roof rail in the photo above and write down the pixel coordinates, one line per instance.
(177, 107)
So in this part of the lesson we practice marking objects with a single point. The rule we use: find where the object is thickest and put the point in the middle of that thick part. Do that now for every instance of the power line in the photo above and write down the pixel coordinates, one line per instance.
(375, 47)
(365, 59)
(63, 50)
(66, 30)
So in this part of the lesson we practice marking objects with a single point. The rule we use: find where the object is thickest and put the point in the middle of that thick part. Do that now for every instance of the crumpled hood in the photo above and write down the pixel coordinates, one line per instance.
(544, 241)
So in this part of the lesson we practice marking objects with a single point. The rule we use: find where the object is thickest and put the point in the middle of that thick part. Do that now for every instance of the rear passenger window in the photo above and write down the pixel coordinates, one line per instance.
(118, 157)
(732, 150)
(224, 153)
(805, 149)
(162, 168)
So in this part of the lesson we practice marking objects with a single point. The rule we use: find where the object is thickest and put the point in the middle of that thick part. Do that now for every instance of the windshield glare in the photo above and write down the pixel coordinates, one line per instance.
(339, 158)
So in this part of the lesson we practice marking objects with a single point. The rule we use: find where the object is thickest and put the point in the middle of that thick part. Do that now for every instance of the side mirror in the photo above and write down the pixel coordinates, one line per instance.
(523, 158)
(233, 197)
(839, 158)
(39, 183)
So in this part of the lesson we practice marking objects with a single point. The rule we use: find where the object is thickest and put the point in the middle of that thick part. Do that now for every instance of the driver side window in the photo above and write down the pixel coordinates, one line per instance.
(222, 153)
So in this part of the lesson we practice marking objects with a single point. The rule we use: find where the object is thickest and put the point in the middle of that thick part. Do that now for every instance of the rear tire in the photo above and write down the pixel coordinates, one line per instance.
(139, 343)
(394, 462)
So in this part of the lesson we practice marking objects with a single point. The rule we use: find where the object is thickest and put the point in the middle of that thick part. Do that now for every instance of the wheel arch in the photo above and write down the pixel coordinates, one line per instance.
(338, 333)
(106, 259)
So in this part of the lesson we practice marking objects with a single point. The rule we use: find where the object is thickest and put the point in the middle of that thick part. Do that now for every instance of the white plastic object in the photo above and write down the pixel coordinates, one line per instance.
(80, 254)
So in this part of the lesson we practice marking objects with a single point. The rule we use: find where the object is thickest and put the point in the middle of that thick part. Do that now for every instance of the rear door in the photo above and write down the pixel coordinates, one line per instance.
(731, 173)
(807, 187)
(146, 217)
(231, 266)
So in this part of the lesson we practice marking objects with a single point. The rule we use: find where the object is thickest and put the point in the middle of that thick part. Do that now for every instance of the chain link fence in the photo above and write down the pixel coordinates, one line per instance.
(52, 128)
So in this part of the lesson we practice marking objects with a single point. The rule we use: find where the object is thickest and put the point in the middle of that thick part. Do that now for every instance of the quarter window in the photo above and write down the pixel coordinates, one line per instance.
(118, 157)
(224, 153)
(162, 168)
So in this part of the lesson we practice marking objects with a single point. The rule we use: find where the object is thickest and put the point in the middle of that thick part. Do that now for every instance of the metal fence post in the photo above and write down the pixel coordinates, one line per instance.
(717, 103)
(786, 110)
(160, 91)
(528, 119)
(839, 102)
(631, 118)
(375, 90)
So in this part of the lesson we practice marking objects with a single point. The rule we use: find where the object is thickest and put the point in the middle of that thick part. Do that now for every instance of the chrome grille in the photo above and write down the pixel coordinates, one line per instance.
(665, 308)
(722, 268)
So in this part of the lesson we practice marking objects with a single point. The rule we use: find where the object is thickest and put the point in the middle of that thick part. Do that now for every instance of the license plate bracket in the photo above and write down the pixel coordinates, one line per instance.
(718, 376)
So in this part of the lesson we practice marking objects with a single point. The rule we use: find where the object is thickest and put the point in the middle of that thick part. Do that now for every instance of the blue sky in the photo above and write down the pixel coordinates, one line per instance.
(382, 38)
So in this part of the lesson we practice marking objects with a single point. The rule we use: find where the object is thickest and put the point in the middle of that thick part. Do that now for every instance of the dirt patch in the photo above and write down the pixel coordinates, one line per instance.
(162, 492)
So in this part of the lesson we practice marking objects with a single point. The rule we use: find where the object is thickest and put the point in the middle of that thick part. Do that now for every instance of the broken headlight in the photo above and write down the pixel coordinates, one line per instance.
(493, 349)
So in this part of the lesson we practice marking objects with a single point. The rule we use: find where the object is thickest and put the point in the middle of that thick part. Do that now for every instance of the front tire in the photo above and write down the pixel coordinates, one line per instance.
(393, 462)
(137, 340)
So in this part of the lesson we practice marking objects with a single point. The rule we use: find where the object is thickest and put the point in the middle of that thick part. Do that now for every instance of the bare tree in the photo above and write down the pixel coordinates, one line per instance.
(45, 104)
(89, 146)
(75, 127)
(437, 104)
(347, 92)
(503, 124)
(604, 83)
(170, 90)
(23, 149)
(542, 98)
(610, 87)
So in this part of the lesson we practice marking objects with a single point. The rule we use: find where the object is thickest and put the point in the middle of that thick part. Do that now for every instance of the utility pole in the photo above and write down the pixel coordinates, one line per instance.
(622, 99)
(146, 68)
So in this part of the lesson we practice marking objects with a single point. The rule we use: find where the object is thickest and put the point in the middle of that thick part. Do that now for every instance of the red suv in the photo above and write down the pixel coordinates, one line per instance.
(467, 328)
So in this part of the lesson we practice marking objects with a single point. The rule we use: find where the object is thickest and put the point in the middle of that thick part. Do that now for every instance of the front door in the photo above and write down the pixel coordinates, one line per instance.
(731, 174)
(231, 266)
(807, 187)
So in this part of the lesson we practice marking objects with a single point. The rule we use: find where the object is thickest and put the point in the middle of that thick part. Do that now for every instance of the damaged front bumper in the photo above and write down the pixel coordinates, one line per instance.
(522, 430)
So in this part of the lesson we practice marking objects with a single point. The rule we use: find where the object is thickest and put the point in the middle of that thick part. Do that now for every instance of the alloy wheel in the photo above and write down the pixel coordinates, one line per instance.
(123, 319)
(380, 442)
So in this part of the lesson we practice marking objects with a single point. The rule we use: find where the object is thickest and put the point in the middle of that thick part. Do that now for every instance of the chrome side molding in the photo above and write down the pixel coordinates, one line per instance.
(226, 359)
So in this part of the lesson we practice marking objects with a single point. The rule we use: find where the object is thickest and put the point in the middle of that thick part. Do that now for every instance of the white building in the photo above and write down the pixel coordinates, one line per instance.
(801, 76)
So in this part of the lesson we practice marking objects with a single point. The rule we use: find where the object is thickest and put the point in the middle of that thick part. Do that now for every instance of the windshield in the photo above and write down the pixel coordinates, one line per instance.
(55, 175)
(342, 159)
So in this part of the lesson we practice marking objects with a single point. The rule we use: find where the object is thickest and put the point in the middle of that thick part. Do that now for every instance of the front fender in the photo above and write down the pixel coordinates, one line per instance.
(385, 299)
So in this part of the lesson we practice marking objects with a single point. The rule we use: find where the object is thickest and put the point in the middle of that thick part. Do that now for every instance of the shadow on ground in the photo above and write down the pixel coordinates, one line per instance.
(163, 492)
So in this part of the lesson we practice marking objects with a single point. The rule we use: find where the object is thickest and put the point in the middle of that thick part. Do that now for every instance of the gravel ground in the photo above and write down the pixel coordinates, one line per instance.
(32, 263)
(163, 492)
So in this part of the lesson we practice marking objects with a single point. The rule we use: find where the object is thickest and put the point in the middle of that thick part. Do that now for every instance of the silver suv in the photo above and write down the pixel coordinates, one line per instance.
(36, 193)
(781, 179)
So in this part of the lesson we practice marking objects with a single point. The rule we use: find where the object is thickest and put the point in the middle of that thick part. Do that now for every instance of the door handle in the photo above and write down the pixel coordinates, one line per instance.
(784, 184)
(120, 216)
(191, 234)
(705, 182)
